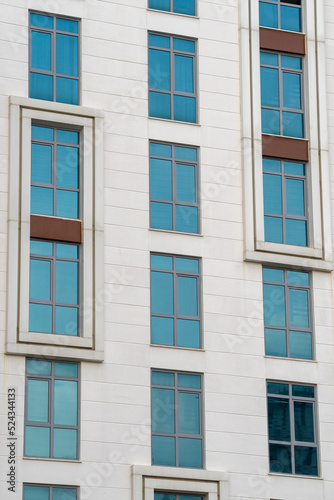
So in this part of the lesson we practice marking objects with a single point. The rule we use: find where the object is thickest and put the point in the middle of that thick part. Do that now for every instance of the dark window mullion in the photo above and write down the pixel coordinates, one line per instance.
(174, 189)
(172, 77)
(176, 311)
(177, 422)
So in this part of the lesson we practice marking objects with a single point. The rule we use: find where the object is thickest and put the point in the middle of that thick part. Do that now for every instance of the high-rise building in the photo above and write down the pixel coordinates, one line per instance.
(166, 265)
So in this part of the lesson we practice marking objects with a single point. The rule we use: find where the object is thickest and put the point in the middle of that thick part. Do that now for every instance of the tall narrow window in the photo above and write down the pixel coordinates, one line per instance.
(281, 14)
(172, 85)
(177, 6)
(54, 58)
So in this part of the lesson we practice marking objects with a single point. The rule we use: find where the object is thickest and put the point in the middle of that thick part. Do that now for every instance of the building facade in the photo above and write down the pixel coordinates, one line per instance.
(166, 292)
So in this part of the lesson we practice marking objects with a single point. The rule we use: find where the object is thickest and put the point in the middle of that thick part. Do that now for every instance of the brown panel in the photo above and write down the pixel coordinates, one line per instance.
(282, 41)
(285, 147)
(53, 228)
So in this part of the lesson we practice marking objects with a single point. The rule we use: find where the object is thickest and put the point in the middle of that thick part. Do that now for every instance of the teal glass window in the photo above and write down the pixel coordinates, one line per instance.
(177, 432)
(284, 202)
(172, 83)
(187, 7)
(282, 107)
(54, 288)
(173, 187)
(281, 14)
(292, 429)
(175, 301)
(55, 159)
(54, 58)
(43, 492)
(51, 414)
(287, 313)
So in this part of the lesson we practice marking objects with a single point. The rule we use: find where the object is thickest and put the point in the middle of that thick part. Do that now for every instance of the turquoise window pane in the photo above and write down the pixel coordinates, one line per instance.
(183, 45)
(273, 229)
(295, 197)
(163, 450)
(67, 25)
(38, 401)
(188, 333)
(187, 265)
(187, 296)
(294, 168)
(157, 149)
(68, 136)
(269, 87)
(190, 497)
(159, 105)
(159, 4)
(189, 413)
(164, 496)
(40, 279)
(306, 460)
(279, 419)
(66, 320)
(162, 262)
(270, 121)
(36, 367)
(41, 86)
(41, 21)
(40, 318)
(159, 41)
(298, 305)
(161, 179)
(67, 166)
(291, 62)
(269, 165)
(163, 408)
(41, 163)
(275, 388)
(184, 7)
(296, 232)
(41, 133)
(64, 494)
(67, 90)
(162, 331)
(300, 345)
(293, 124)
(185, 109)
(280, 458)
(67, 251)
(159, 69)
(65, 443)
(67, 204)
(298, 278)
(276, 275)
(35, 493)
(182, 153)
(65, 402)
(66, 370)
(190, 453)
(268, 15)
(162, 293)
(185, 183)
(186, 219)
(162, 378)
(41, 50)
(37, 441)
(274, 305)
(268, 58)
(66, 282)
(290, 18)
(41, 201)
(67, 55)
(161, 215)
(188, 380)
(272, 194)
(304, 391)
(183, 67)
(275, 342)
(291, 90)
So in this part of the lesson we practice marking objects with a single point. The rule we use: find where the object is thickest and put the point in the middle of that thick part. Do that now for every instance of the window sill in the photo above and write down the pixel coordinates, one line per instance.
(47, 459)
(286, 259)
(187, 16)
(166, 120)
(284, 358)
(170, 231)
(200, 349)
(296, 476)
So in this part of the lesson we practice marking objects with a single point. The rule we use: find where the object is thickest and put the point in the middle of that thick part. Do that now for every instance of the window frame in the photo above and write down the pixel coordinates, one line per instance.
(171, 11)
(278, 4)
(76, 488)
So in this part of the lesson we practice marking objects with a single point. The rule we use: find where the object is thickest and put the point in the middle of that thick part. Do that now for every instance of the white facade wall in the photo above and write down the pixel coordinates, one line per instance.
(115, 394)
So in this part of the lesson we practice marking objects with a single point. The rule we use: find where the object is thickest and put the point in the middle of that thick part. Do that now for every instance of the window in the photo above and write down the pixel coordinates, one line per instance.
(42, 492)
(281, 94)
(54, 58)
(175, 301)
(177, 6)
(172, 92)
(173, 187)
(176, 419)
(285, 15)
(287, 306)
(292, 429)
(284, 201)
(166, 495)
(51, 410)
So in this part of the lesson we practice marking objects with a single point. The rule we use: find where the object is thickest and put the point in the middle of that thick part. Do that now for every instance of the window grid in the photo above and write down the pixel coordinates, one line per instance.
(50, 424)
(168, 6)
(170, 495)
(30, 489)
(281, 3)
(293, 442)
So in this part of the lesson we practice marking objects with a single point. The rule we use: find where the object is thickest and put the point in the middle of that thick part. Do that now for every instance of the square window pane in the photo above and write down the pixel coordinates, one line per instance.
(187, 265)
(275, 341)
(280, 458)
(64, 494)
(182, 153)
(67, 251)
(41, 86)
(188, 333)
(41, 21)
(157, 149)
(161, 215)
(296, 232)
(159, 4)
(290, 18)
(306, 460)
(185, 109)
(300, 345)
(40, 318)
(298, 278)
(67, 90)
(69, 370)
(37, 441)
(38, 247)
(184, 7)
(36, 493)
(190, 453)
(158, 41)
(162, 262)
(293, 124)
(268, 15)
(269, 165)
(68, 137)
(275, 275)
(162, 330)
(276, 388)
(65, 443)
(159, 105)
(163, 450)
(66, 320)
(273, 229)
(41, 200)
(41, 133)
(186, 219)
(270, 121)
(67, 204)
